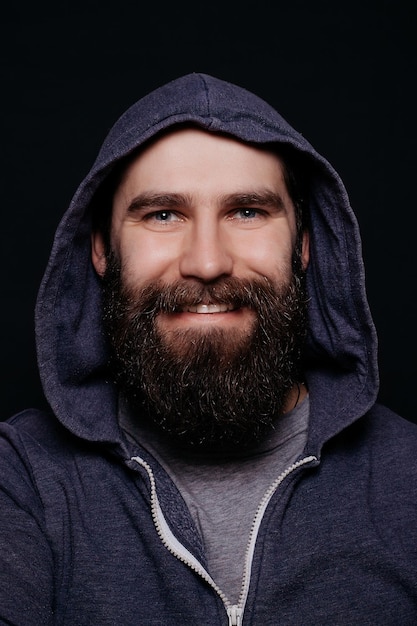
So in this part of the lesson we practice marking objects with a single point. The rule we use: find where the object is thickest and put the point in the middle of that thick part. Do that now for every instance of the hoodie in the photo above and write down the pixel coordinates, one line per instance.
(94, 531)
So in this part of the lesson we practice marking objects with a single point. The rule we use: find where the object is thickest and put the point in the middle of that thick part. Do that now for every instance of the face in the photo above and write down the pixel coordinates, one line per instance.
(200, 207)
(197, 220)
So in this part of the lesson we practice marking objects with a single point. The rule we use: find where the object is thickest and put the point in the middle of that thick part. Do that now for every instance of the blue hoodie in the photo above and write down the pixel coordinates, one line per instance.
(92, 529)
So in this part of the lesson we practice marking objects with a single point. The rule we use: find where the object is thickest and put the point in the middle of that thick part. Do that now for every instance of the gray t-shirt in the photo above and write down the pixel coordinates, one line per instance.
(223, 494)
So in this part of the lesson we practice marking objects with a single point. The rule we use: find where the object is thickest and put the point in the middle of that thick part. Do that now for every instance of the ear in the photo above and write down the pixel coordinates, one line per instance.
(98, 254)
(305, 249)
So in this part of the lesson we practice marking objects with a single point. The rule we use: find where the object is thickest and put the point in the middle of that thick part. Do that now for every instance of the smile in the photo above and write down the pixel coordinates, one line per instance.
(208, 308)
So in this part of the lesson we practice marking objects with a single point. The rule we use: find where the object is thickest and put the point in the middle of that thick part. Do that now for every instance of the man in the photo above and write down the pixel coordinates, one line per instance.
(214, 453)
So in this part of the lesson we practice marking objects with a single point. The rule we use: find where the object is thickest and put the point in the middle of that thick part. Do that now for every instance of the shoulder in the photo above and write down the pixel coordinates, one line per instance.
(38, 431)
(35, 451)
(380, 433)
(392, 437)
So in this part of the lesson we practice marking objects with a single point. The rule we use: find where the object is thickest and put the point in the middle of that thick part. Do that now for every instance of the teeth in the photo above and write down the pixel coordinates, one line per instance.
(208, 308)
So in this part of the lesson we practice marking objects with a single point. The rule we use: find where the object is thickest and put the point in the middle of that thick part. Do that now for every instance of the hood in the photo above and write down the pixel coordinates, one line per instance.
(341, 351)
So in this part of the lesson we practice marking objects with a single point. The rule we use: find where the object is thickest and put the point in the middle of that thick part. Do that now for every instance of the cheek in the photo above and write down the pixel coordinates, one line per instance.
(145, 259)
(268, 255)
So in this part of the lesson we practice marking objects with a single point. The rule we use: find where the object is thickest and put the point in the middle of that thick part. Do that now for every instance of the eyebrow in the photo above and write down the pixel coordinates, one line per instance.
(264, 198)
(261, 198)
(148, 200)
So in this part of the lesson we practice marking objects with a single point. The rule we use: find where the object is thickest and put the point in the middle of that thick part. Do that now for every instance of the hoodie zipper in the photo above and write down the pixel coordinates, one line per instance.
(234, 612)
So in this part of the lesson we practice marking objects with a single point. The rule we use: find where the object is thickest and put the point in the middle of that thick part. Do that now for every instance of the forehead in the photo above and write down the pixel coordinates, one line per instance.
(195, 157)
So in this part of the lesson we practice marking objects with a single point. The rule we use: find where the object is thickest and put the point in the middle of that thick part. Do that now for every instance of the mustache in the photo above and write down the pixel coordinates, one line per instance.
(174, 297)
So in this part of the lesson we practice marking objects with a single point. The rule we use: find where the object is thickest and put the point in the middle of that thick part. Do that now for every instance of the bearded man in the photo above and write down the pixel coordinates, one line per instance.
(214, 451)
(206, 336)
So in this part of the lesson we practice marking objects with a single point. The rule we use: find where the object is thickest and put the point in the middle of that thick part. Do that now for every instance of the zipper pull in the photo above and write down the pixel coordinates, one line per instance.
(235, 615)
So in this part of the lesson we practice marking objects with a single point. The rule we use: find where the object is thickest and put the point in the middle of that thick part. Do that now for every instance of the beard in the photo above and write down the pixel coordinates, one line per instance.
(211, 388)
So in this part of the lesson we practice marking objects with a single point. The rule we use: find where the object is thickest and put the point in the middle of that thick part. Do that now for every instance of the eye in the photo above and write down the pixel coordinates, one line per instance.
(247, 214)
(162, 216)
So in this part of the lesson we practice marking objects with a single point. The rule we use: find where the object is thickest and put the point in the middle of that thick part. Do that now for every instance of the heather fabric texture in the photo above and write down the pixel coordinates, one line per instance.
(338, 542)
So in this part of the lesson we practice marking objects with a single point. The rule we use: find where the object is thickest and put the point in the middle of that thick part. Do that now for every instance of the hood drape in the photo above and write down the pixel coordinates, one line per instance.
(341, 347)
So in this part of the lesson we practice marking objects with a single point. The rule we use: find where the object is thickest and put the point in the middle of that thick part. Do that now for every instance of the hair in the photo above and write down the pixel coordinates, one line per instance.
(296, 177)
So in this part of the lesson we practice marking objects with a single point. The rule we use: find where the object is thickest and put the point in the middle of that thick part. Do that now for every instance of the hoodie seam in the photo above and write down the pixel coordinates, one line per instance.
(206, 91)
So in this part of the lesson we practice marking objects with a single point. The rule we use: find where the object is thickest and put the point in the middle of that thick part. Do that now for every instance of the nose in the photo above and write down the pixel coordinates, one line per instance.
(206, 255)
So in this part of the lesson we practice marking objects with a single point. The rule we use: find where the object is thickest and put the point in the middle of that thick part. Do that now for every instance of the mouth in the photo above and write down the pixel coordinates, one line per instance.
(204, 315)
(208, 308)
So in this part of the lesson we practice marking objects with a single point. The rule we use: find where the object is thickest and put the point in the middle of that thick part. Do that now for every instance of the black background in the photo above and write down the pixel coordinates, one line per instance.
(341, 73)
